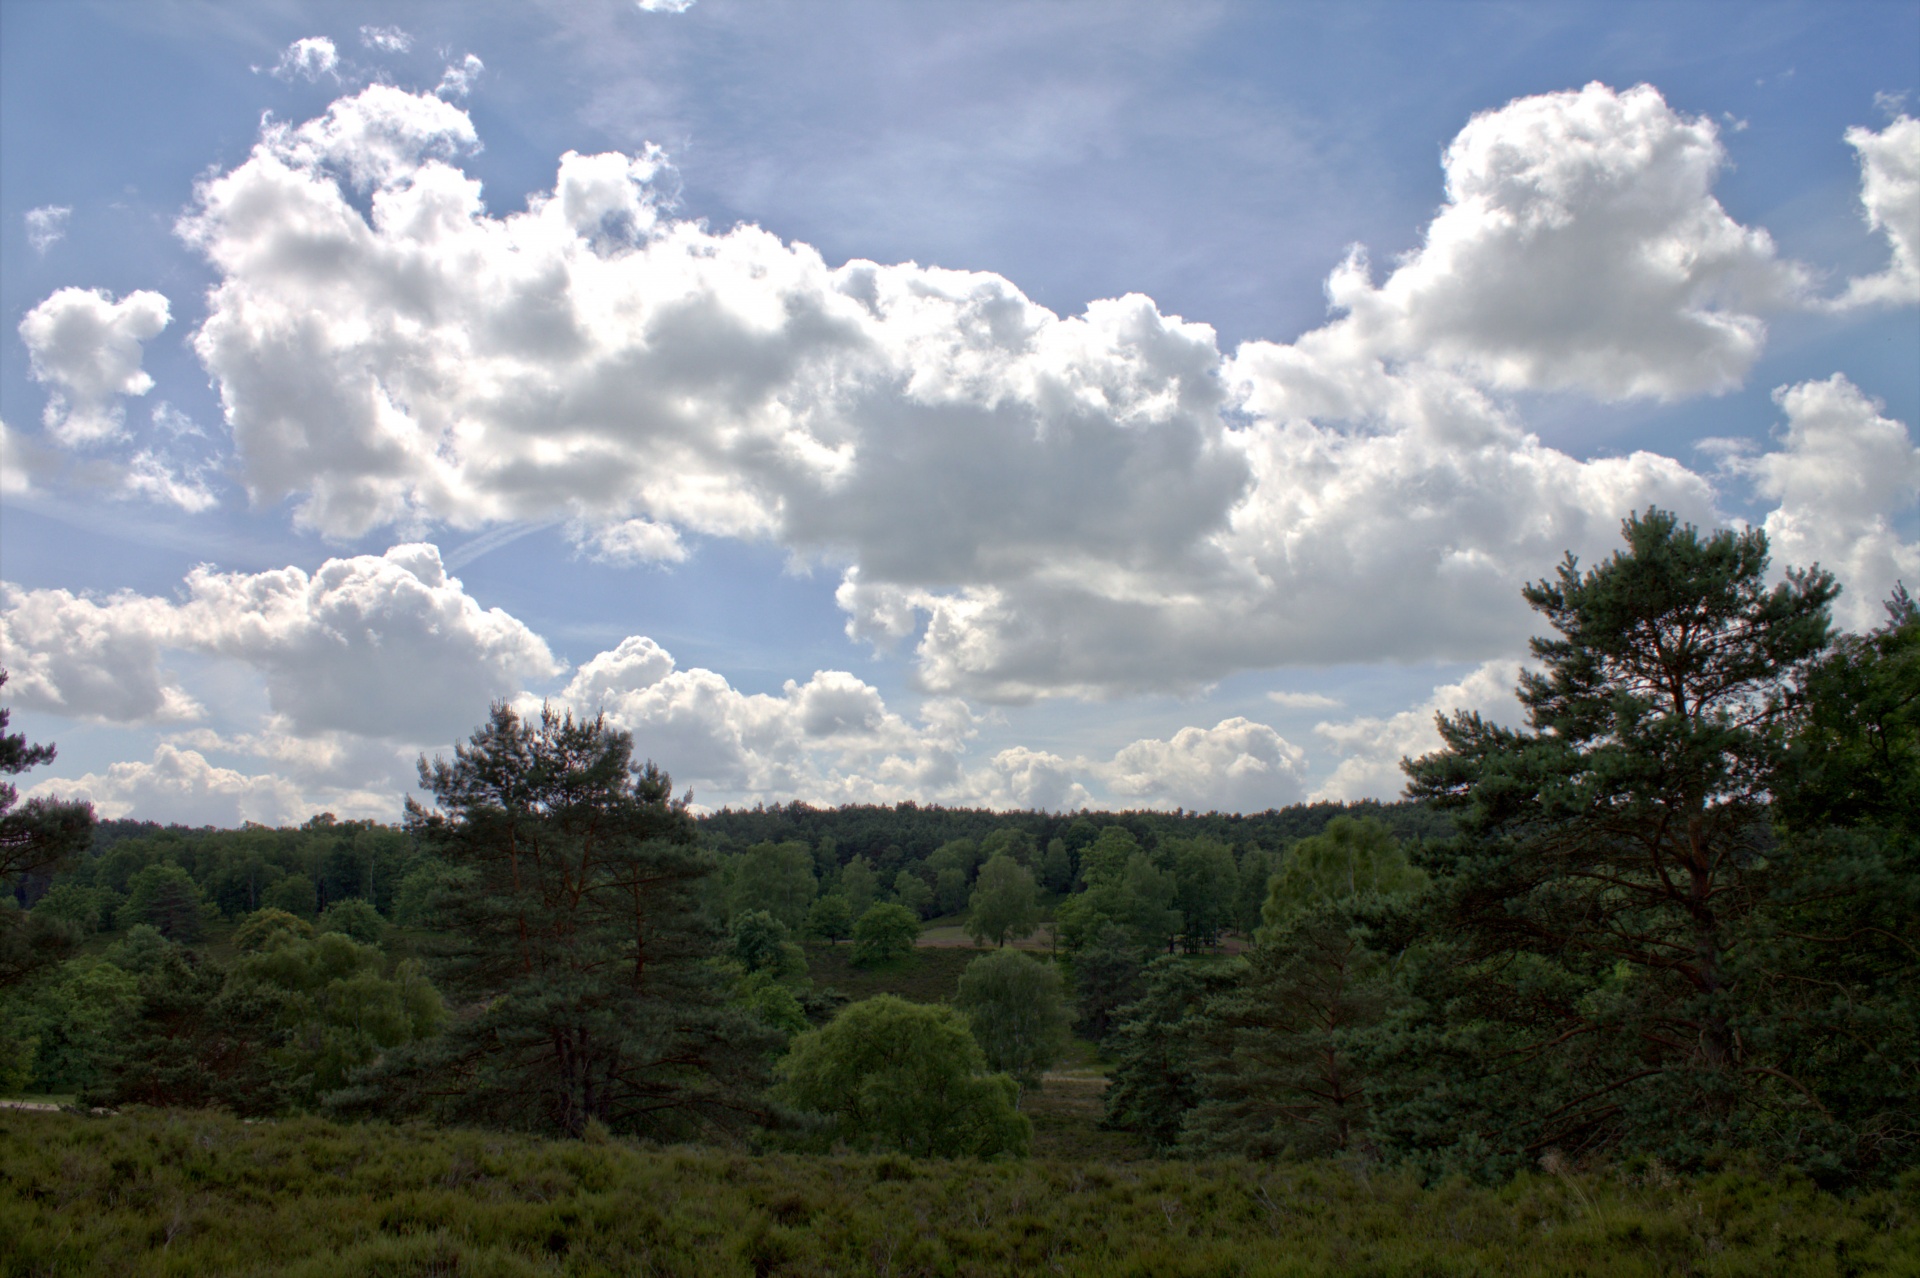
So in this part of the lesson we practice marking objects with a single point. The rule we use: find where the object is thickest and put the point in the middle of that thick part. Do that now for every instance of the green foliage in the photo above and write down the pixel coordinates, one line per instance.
(1349, 861)
(1107, 978)
(1017, 1009)
(1855, 753)
(1005, 904)
(197, 1041)
(1147, 903)
(859, 885)
(292, 894)
(1155, 1080)
(1103, 862)
(830, 919)
(38, 837)
(355, 918)
(1620, 953)
(166, 897)
(889, 1074)
(31, 943)
(569, 931)
(1250, 896)
(1205, 880)
(87, 909)
(413, 898)
(1278, 1053)
(912, 892)
(1135, 894)
(771, 1002)
(950, 889)
(885, 934)
(74, 1017)
(154, 1193)
(1056, 867)
(141, 949)
(758, 942)
(258, 929)
(17, 1051)
(777, 878)
(334, 1009)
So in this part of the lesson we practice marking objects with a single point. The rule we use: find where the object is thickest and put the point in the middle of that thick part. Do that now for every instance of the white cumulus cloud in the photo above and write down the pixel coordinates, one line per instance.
(1036, 504)
(1890, 199)
(1373, 747)
(1236, 766)
(377, 645)
(46, 226)
(309, 59)
(1845, 473)
(1580, 247)
(386, 39)
(87, 347)
(182, 786)
(458, 79)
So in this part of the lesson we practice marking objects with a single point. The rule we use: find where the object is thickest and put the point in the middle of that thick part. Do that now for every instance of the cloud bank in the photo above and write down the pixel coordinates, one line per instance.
(1040, 505)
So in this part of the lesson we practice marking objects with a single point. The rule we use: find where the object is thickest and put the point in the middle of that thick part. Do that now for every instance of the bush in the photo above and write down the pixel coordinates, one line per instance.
(889, 1074)
(885, 934)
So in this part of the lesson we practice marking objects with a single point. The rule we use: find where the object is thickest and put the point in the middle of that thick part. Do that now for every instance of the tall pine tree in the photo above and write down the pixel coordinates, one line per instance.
(1585, 932)
(570, 946)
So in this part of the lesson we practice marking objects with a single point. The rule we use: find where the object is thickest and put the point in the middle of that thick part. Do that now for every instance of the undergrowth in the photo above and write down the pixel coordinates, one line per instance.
(170, 1192)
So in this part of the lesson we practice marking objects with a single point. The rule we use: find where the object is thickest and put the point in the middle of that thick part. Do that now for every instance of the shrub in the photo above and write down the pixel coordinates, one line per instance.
(889, 1074)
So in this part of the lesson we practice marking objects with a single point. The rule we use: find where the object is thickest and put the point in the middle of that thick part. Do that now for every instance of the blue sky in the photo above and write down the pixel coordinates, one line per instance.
(1037, 405)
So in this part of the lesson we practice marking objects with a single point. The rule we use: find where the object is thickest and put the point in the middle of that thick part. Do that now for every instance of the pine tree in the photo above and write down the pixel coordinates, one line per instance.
(1583, 930)
(570, 943)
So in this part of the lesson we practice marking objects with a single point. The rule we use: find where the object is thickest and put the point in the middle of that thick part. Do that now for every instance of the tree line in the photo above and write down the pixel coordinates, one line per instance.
(1672, 917)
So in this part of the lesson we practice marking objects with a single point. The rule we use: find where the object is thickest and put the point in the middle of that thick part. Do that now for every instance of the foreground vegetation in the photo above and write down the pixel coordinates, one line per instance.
(197, 1193)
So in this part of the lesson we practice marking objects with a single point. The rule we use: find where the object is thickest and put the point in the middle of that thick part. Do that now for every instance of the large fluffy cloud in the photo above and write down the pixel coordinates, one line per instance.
(87, 347)
(1890, 198)
(1089, 504)
(382, 646)
(1580, 247)
(1844, 473)
(1235, 766)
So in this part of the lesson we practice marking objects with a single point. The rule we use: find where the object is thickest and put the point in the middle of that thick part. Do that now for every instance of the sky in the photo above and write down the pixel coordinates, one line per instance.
(1020, 405)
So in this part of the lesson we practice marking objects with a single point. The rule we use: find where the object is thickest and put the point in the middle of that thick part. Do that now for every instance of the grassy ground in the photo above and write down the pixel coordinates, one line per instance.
(930, 976)
(1067, 1108)
(156, 1193)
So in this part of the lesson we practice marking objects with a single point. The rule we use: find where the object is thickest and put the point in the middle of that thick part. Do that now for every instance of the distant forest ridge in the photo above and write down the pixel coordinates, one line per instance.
(911, 831)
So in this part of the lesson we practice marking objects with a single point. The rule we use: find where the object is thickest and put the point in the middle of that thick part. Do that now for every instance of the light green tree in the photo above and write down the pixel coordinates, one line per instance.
(1005, 902)
(889, 1074)
(353, 917)
(775, 877)
(1018, 1009)
(885, 934)
(830, 919)
(859, 884)
(1352, 858)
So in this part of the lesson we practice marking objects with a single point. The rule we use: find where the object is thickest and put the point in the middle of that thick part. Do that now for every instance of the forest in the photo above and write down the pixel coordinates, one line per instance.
(1633, 988)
